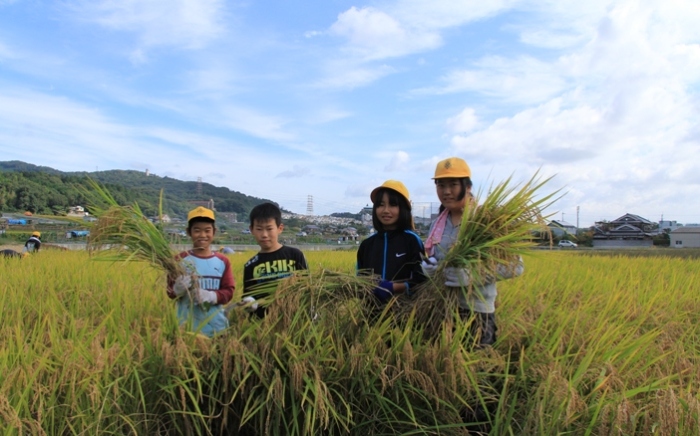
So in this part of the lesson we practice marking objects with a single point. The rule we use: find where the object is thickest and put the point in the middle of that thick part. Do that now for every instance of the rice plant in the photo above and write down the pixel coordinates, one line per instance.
(589, 345)
(124, 233)
(493, 236)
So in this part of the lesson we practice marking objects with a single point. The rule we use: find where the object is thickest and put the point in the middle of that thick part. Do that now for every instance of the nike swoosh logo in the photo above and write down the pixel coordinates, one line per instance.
(400, 254)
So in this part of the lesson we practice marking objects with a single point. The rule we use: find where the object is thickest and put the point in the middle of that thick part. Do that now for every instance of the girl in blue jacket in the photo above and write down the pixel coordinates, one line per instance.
(393, 253)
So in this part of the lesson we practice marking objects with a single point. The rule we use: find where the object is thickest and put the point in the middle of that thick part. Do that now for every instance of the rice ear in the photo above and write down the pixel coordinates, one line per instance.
(493, 236)
(124, 233)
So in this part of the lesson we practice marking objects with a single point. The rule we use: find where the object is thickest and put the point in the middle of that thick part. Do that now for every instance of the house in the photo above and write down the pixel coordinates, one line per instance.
(668, 226)
(209, 204)
(628, 230)
(311, 229)
(560, 228)
(164, 219)
(685, 237)
(77, 211)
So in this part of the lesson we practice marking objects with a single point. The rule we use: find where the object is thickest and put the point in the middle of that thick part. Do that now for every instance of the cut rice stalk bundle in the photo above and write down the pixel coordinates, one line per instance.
(316, 296)
(124, 233)
(493, 236)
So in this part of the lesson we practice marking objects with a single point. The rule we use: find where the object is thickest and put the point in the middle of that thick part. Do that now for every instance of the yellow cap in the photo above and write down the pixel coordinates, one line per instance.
(200, 212)
(37, 234)
(394, 185)
(452, 167)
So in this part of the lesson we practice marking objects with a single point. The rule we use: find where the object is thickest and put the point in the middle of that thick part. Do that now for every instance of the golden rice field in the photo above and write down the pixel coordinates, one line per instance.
(588, 345)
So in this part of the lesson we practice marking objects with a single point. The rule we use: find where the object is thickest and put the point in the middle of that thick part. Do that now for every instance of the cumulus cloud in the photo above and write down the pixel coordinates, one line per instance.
(613, 117)
(399, 29)
(373, 34)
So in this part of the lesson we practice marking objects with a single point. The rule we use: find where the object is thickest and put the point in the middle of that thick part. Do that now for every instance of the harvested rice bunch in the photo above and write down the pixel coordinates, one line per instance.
(493, 235)
(123, 233)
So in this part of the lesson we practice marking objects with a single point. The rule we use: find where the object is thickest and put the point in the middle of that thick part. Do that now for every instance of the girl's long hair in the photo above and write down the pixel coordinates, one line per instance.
(405, 221)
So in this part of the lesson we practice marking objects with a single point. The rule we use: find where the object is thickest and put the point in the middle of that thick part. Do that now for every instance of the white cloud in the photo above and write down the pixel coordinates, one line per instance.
(441, 14)
(187, 24)
(296, 171)
(399, 161)
(463, 122)
(254, 123)
(373, 34)
(524, 80)
(350, 75)
(615, 123)
(399, 29)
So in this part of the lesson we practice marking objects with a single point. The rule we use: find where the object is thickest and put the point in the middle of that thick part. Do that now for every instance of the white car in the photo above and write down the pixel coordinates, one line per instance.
(567, 244)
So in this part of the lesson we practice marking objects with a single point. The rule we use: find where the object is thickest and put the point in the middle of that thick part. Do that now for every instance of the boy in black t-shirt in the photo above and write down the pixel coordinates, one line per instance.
(274, 261)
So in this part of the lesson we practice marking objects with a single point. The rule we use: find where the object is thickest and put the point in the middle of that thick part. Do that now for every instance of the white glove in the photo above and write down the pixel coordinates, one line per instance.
(182, 285)
(429, 266)
(203, 296)
(456, 277)
(250, 304)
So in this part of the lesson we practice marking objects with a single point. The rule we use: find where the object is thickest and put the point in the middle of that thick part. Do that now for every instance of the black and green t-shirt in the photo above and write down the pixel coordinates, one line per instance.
(262, 271)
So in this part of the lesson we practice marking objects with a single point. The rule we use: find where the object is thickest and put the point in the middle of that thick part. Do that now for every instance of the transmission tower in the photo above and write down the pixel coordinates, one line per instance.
(199, 186)
(310, 205)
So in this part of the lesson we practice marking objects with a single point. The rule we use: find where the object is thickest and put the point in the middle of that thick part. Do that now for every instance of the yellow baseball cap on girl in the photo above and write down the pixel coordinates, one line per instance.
(394, 185)
(452, 167)
(200, 212)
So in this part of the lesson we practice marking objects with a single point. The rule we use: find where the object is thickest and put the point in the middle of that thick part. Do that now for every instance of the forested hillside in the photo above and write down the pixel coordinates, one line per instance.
(46, 191)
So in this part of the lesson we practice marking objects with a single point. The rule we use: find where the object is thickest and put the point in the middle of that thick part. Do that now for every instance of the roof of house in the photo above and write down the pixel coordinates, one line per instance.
(560, 223)
(632, 217)
(686, 230)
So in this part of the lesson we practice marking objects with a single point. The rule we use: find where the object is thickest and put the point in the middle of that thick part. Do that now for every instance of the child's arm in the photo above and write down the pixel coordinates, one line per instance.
(228, 285)
(415, 257)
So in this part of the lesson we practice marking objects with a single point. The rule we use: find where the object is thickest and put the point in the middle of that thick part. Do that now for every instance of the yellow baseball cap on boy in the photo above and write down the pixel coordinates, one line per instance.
(452, 167)
(394, 185)
(200, 212)
(37, 234)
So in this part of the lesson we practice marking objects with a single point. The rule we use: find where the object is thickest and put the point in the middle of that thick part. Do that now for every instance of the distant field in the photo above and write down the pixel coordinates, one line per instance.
(590, 343)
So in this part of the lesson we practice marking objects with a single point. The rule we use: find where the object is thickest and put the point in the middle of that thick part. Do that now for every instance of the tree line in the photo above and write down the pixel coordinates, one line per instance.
(45, 191)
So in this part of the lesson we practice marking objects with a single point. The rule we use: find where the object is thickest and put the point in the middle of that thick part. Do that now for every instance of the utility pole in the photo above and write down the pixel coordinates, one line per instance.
(578, 209)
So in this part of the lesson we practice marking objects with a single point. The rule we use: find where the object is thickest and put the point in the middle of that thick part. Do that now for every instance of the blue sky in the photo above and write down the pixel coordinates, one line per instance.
(283, 100)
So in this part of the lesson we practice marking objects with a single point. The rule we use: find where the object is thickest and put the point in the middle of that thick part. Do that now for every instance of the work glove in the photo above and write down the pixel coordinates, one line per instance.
(249, 303)
(456, 277)
(202, 296)
(182, 285)
(384, 291)
(429, 266)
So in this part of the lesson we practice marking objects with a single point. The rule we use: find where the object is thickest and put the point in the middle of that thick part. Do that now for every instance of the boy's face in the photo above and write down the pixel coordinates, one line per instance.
(202, 235)
(266, 234)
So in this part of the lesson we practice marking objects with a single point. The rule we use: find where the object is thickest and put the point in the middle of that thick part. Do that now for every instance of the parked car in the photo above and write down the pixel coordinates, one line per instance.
(245, 232)
(301, 234)
(567, 244)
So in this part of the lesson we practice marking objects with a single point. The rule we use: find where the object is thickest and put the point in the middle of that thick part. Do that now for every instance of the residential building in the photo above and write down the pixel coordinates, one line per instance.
(560, 228)
(628, 230)
(685, 237)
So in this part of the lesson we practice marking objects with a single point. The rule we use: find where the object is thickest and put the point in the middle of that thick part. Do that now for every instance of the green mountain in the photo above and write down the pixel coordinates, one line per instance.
(46, 191)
